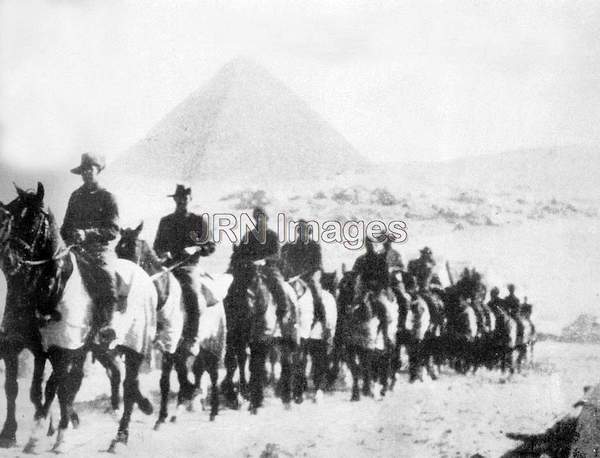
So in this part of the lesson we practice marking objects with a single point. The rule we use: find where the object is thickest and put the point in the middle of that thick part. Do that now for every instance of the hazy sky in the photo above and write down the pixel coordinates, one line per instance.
(401, 80)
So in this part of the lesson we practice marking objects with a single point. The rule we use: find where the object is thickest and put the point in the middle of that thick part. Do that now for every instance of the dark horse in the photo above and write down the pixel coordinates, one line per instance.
(171, 315)
(367, 330)
(252, 323)
(20, 330)
(44, 280)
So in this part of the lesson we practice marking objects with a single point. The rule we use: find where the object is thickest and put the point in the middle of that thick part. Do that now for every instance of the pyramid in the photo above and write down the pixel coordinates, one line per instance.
(243, 124)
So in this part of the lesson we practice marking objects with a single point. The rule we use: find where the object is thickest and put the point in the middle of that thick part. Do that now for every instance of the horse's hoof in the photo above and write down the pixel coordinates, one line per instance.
(318, 397)
(122, 438)
(145, 406)
(212, 417)
(355, 397)
(8, 441)
(159, 423)
(174, 419)
(298, 399)
(59, 448)
(31, 446)
(287, 406)
(75, 420)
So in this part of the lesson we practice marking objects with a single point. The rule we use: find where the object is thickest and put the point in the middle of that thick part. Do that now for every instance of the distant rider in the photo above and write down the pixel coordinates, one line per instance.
(182, 238)
(260, 244)
(303, 258)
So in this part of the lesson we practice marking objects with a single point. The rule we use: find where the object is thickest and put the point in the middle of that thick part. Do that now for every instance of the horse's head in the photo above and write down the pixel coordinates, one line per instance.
(347, 287)
(330, 282)
(130, 245)
(5, 223)
(258, 293)
(28, 231)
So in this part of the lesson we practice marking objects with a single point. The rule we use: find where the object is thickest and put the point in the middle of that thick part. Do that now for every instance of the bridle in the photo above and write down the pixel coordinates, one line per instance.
(18, 261)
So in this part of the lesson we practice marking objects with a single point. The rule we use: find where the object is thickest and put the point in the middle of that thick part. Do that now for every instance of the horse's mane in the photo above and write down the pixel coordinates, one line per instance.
(150, 261)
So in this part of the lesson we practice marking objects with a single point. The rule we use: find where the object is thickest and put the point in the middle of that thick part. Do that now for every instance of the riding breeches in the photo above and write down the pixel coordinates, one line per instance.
(276, 284)
(98, 274)
(313, 282)
(193, 301)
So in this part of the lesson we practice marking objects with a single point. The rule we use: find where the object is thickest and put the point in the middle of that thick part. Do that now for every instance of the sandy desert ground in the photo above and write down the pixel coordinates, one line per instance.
(454, 416)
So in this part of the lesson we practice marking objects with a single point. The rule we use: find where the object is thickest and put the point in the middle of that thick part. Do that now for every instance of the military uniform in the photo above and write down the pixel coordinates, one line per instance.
(373, 271)
(304, 258)
(176, 232)
(256, 245)
(93, 209)
(512, 305)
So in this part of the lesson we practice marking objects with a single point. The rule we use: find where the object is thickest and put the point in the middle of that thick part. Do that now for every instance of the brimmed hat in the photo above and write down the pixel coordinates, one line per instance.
(181, 191)
(89, 160)
(259, 210)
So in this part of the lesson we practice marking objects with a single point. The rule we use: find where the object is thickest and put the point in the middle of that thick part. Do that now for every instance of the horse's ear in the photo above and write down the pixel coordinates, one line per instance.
(121, 231)
(343, 267)
(138, 229)
(40, 192)
(20, 192)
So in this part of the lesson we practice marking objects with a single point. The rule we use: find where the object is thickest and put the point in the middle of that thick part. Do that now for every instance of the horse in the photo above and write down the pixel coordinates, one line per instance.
(462, 330)
(525, 342)
(504, 347)
(315, 338)
(171, 318)
(418, 326)
(45, 280)
(367, 331)
(20, 331)
(252, 322)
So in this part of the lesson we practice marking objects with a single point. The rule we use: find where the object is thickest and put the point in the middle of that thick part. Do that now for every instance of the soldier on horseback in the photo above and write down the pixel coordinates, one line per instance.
(426, 280)
(511, 302)
(182, 238)
(372, 269)
(91, 224)
(260, 244)
(303, 258)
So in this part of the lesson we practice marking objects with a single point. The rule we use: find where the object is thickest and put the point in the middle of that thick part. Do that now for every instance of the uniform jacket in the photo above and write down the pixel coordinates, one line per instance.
(178, 231)
(94, 211)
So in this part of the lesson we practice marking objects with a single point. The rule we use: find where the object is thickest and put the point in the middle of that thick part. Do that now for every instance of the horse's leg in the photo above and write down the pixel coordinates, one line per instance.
(60, 360)
(319, 361)
(366, 357)
(258, 351)
(299, 360)
(198, 367)
(131, 395)
(49, 395)
(11, 389)
(35, 392)
(114, 375)
(230, 363)
(286, 372)
(41, 413)
(213, 371)
(334, 362)
(165, 388)
(241, 361)
(186, 388)
(351, 356)
(75, 378)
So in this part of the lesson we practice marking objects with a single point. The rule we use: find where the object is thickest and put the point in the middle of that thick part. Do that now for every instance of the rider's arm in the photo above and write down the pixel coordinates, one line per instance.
(316, 258)
(271, 250)
(161, 242)
(108, 228)
(68, 229)
(201, 237)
